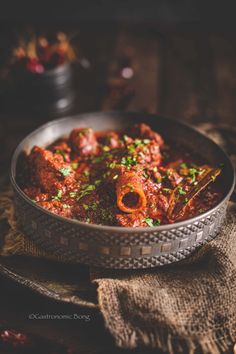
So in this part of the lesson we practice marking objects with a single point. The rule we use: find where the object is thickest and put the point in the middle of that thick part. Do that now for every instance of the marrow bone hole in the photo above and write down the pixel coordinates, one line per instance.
(131, 200)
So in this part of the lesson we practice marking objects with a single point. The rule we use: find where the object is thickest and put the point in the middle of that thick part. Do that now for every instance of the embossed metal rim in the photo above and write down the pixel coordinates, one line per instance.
(118, 228)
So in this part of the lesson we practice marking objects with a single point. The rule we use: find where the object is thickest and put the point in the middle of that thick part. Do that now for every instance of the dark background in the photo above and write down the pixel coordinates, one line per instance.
(216, 14)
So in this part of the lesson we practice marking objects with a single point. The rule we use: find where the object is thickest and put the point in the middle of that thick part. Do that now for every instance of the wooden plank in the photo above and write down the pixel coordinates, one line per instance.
(199, 77)
(143, 54)
(178, 97)
(223, 65)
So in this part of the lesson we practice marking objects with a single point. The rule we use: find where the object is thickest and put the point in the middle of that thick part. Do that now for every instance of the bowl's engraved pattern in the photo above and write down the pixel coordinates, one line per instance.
(108, 249)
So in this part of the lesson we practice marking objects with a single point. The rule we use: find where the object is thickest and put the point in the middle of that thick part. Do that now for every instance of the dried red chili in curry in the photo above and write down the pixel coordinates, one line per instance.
(130, 178)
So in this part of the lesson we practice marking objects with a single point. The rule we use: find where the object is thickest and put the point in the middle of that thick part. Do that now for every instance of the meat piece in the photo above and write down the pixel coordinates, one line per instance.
(61, 147)
(83, 141)
(129, 191)
(35, 194)
(110, 139)
(173, 177)
(49, 171)
(157, 206)
(131, 220)
(57, 207)
(149, 154)
(145, 132)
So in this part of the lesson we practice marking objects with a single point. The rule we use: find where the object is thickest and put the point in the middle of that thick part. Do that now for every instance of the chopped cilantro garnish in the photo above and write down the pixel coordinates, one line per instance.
(186, 200)
(183, 165)
(146, 141)
(61, 152)
(181, 191)
(86, 173)
(73, 194)
(167, 190)
(129, 161)
(93, 206)
(150, 222)
(145, 174)
(85, 190)
(112, 165)
(137, 142)
(65, 171)
(141, 154)
(66, 206)
(58, 196)
(192, 174)
(74, 165)
(131, 148)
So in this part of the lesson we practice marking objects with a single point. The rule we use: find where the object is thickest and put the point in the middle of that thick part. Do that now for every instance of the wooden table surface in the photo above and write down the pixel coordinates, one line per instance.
(187, 74)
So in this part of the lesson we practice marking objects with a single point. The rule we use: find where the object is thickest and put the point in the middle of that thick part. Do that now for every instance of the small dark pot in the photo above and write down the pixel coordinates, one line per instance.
(48, 92)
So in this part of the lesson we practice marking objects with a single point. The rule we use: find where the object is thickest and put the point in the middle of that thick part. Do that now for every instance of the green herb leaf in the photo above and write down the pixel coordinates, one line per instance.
(73, 194)
(129, 161)
(131, 148)
(74, 165)
(66, 206)
(65, 171)
(86, 173)
(151, 223)
(85, 190)
(181, 191)
(146, 141)
(137, 142)
(167, 190)
(141, 154)
(61, 152)
(183, 165)
(58, 196)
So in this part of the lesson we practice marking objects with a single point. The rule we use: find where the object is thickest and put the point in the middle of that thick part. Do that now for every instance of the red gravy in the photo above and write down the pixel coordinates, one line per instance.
(131, 178)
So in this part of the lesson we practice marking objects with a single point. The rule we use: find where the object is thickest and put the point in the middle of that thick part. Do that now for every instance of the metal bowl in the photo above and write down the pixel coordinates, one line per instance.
(113, 246)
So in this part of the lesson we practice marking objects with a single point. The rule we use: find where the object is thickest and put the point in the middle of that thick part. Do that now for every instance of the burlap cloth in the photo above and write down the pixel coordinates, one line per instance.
(185, 307)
